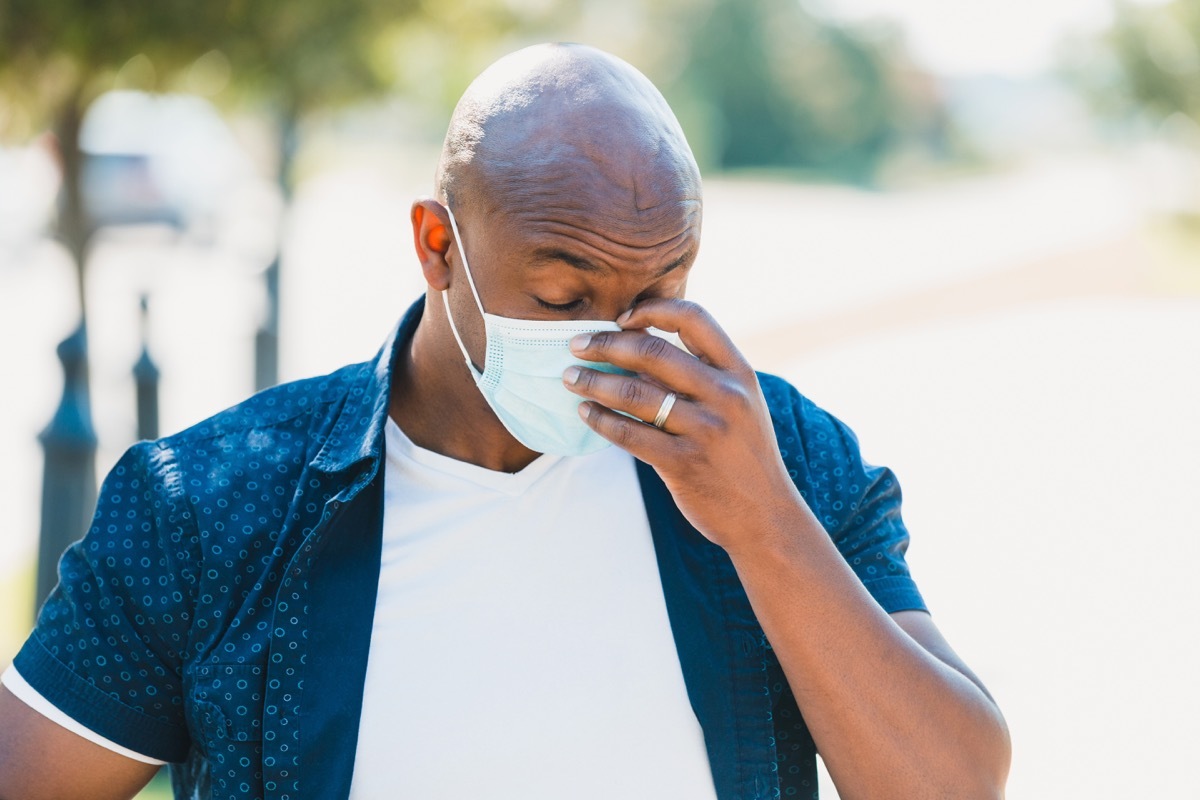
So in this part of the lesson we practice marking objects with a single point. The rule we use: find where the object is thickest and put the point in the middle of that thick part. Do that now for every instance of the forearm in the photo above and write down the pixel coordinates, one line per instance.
(889, 718)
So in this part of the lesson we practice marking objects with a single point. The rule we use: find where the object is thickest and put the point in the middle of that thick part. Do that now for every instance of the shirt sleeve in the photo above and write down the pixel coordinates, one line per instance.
(21, 690)
(110, 641)
(856, 502)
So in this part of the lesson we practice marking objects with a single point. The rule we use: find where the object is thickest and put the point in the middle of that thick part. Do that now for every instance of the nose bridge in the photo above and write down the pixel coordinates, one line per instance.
(616, 296)
(621, 288)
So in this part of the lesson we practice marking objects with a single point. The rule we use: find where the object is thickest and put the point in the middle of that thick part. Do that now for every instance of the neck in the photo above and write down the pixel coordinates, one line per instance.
(435, 402)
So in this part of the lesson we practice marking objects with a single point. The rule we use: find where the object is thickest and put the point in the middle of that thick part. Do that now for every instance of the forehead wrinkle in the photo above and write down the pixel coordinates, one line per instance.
(546, 258)
(589, 199)
(622, 241)
(545, 255)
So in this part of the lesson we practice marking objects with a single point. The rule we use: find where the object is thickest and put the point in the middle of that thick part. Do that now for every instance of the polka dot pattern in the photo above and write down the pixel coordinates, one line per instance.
(857, 503)
(181, 623)
(189, 586)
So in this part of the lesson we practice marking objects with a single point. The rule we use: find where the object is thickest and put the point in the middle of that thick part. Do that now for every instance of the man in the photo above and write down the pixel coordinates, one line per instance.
(428, 576)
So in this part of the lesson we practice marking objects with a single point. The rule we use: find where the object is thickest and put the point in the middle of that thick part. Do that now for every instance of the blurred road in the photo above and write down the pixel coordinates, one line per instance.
(1007, 343)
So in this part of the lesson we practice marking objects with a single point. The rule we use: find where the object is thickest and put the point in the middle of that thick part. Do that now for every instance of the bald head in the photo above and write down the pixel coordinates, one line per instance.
(568, 126)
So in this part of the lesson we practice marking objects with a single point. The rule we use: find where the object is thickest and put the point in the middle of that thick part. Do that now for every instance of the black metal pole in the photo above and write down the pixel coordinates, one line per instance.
(266, 338)
(145, 377)
(69, 477)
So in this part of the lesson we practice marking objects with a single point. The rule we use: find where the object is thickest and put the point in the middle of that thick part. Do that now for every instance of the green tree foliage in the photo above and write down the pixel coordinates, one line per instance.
(54, 52)
(768, 84)
(304, 55)
(56, 56)
(1147, 62)
(791, 91)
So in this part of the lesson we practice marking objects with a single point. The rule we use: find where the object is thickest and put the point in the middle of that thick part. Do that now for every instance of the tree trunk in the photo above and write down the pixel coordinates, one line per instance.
(74, 223)
(69, 441)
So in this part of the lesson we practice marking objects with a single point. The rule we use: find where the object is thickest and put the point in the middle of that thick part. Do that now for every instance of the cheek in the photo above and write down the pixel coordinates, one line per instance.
(468, 321)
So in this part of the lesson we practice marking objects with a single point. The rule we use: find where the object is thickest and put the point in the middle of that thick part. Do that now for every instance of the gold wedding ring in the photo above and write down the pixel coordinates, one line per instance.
(664, 410)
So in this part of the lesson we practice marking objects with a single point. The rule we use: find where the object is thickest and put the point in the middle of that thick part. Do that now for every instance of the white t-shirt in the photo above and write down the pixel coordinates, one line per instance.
(521, 646)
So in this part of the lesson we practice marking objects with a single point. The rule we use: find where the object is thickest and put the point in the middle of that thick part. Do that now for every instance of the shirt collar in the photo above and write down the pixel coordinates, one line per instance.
(358, 432)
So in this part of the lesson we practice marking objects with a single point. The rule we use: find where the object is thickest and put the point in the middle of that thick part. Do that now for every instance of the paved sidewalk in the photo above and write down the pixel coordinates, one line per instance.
(1047, 450)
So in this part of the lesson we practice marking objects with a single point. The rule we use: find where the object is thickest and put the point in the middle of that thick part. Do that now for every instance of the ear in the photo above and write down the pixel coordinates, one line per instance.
(431, 238)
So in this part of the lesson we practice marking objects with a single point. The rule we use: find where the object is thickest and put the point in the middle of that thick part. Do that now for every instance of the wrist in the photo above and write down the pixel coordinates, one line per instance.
(777, 524)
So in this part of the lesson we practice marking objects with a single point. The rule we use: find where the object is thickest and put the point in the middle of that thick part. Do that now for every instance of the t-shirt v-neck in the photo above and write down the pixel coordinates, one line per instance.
(521, 645)
(509, 483)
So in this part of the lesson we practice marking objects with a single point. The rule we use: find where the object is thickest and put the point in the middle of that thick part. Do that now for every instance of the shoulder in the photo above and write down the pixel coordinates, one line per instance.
(822, 454)
(266, 438)
(797, 417)
(306, 399)
(857, 503)
(783, 399)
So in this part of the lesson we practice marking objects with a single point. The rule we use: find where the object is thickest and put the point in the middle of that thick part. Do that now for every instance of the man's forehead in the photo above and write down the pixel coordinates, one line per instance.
(554, 245)
(593, 210)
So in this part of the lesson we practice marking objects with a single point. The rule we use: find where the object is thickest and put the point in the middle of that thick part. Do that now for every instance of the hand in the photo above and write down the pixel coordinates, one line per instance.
(717, 452)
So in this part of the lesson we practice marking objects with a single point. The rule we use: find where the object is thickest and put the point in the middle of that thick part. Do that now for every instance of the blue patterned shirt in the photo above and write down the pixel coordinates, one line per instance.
(218, 612)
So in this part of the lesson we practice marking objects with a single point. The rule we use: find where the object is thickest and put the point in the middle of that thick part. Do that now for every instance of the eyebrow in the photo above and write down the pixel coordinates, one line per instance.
(554, 254)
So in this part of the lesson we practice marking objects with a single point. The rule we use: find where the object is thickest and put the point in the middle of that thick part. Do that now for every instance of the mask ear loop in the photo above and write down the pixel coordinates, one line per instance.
(463, 255)
(475, 292)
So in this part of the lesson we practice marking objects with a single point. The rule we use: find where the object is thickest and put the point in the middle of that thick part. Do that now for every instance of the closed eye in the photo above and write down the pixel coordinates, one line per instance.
(563, 307)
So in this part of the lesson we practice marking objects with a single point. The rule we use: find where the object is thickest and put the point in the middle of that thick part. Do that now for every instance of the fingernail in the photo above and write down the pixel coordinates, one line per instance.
(571, 374)
(580, 342)
(585, 410)
(621, 320)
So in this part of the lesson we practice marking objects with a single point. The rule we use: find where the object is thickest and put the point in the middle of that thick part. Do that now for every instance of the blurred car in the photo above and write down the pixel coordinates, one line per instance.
(167, 159)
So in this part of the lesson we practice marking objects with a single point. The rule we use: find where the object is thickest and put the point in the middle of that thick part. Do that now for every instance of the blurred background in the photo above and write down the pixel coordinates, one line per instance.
(977, 242)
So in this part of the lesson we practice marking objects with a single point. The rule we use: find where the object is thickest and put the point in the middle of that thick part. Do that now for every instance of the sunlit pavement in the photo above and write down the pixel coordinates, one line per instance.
(1048, 457)
(996, 341)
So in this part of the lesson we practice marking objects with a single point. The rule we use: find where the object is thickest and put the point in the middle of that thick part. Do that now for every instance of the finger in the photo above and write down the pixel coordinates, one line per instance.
(630, 395)
(701, 334)
(644, 442)
(638, 351)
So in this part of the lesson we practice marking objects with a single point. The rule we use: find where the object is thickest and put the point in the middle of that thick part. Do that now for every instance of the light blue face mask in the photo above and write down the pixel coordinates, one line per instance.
(522, 375)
